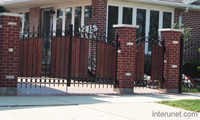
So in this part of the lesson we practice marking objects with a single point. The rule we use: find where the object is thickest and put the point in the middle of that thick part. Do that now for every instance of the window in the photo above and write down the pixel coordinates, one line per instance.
(112, 19)
(77, 23)
(88, 13)
(127, 15)
(141, 21)
(26, 21)
(68, 18)
(59, 20)
(167, 19)
(154, 24)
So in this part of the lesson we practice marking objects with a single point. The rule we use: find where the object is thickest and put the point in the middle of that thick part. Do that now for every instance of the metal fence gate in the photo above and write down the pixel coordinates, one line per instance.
(190, 61)
(67, 58)
(149, 63)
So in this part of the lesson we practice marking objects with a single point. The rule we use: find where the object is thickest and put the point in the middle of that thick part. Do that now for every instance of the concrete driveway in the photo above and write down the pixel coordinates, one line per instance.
(95, 107)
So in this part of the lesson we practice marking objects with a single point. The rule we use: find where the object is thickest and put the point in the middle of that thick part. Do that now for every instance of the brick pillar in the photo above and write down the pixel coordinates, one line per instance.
(126, 58)
(99, 14)
(171, 59)
(34, 18)
(9, 52)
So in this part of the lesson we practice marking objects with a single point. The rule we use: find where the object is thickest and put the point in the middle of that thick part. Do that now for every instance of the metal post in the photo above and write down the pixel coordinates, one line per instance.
(181, 64)
(163, 58)
(70, 56)
(117, 45)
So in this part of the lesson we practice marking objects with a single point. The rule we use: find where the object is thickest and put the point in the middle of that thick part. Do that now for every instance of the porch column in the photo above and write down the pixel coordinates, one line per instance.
(9, 52)
(99, 14)
(171, 59)
(126, 57)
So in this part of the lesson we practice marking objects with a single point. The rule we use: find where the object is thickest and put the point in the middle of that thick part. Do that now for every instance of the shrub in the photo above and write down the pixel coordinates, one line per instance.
(3, 9)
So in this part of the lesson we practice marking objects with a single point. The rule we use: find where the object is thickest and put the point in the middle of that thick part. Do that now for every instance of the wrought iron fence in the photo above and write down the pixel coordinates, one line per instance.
(149, 62)
(191, 63)
(67, 57)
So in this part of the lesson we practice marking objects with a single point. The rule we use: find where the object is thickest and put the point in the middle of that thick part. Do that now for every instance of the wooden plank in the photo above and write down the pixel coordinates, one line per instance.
(66, 57)
(77, 58)
(73, 57)
(98, 67)
(102, 60)
(62, 52)
(39, 52)
(142, 62)
(138, 62)
(86, 54)
(114, 55)
(30, 53)
(153, 60)
(156, 65)
(57, 70)
(160, 63)
(81, 58)
(34, 57)
(25, 59)
(110, 57)
(106, 55)
(20, 68)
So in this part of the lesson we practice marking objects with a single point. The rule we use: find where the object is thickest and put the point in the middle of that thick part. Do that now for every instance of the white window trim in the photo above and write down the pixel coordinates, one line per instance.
(133, 14)
(120, 6)
(120, 15)
(73, 15)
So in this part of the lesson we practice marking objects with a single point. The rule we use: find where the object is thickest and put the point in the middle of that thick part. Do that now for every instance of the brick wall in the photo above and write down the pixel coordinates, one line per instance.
(172, 60)
(126, 59)
(99, 14)
(190, 19)
(34, 18)
(9, 53)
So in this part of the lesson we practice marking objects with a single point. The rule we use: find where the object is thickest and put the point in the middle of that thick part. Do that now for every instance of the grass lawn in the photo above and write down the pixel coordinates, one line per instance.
(192, 105)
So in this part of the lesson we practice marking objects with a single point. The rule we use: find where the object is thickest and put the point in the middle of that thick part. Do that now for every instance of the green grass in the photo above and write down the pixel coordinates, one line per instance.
(190, 90)
(191, 105)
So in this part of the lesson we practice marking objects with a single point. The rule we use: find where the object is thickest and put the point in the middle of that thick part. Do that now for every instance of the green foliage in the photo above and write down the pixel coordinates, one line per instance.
(3, 9)
(192, 105)
(186, 31)
(198, 68)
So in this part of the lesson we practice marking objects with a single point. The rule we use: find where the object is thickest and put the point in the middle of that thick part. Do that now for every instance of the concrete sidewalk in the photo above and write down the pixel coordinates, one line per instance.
(99, 107)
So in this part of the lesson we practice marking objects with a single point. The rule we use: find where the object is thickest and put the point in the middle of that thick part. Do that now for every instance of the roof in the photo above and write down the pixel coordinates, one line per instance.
(15, 4)
(176, 1)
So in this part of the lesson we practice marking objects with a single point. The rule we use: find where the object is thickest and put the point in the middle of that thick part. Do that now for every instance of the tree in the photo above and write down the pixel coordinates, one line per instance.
(186, 31)
(3, 9)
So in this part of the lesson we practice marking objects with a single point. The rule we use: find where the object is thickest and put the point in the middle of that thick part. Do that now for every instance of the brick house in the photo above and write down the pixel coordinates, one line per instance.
(150, 15)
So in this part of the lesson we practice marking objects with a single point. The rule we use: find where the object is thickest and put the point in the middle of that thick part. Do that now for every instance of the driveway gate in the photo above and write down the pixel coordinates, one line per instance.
(149, 62)
(65, 58)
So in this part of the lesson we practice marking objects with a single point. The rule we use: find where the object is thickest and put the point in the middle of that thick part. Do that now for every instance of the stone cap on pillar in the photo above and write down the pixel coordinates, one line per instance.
(170, 30)
(125, 25)
(11, 14)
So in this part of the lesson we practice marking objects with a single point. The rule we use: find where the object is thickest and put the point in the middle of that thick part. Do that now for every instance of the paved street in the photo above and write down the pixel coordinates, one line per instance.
(91, 107)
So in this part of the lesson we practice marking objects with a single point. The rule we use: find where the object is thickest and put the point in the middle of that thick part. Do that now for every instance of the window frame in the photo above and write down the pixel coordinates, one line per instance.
(73, 15)
(136, 6)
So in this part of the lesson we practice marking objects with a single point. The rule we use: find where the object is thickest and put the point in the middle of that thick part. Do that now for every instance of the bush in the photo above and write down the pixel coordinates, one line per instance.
(3, 9)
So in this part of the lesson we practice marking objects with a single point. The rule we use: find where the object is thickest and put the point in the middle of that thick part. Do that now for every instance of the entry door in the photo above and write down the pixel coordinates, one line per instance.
(47, 24)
